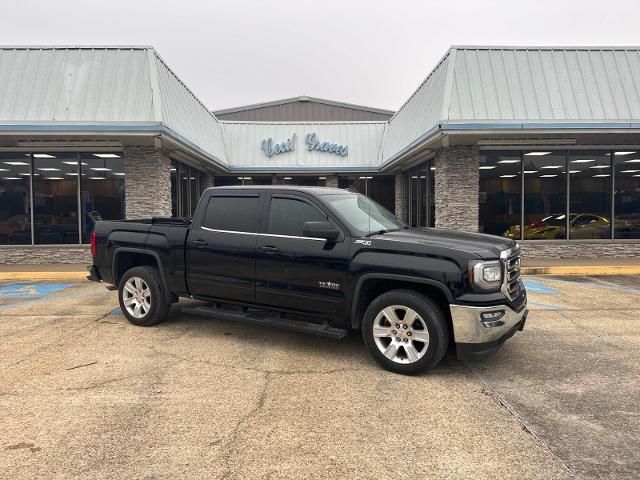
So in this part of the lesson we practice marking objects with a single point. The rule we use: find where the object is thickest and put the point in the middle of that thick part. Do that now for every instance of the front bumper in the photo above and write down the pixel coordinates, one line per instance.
(477, 335)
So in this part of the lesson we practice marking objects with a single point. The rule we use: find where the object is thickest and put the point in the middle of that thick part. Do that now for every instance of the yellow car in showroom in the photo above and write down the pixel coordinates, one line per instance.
(582, 226)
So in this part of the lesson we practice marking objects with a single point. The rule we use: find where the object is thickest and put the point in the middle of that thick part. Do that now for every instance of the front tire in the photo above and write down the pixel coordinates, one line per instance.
(405, 332)
(141, 296)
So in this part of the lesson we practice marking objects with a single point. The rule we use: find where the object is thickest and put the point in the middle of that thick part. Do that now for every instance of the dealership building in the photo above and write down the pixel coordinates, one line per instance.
(541, 144)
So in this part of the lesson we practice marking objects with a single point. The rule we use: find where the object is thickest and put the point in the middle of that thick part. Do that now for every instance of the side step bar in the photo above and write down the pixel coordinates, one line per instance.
(266, 318)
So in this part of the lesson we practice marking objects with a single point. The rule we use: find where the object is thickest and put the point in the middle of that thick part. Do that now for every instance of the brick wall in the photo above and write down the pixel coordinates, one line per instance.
(457, 185)
(400, 199)
(577, 249)
(147, 182)
(62, 254)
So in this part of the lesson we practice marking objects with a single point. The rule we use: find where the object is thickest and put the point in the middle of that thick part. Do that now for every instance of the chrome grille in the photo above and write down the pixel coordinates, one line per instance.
(511, 260)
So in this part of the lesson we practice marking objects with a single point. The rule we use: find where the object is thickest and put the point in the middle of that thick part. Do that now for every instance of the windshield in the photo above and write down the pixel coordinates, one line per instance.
(362, 213)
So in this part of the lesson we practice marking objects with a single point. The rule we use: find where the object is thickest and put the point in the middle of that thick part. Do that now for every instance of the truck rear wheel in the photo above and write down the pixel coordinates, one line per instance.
(405, 332)
(141, 297)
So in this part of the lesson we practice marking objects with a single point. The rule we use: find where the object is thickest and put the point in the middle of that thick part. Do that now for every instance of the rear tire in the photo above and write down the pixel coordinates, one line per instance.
(405, 332)
(142, 298)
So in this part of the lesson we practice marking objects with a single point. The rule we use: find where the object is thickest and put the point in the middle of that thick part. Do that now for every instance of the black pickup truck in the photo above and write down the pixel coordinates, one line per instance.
(323, 261)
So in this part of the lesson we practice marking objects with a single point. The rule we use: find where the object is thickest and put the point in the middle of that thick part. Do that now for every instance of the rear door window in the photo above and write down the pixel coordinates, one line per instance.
(232, 213)
(287, 216)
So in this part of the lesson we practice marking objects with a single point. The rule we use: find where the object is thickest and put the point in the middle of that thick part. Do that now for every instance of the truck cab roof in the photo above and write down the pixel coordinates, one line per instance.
(317, 191)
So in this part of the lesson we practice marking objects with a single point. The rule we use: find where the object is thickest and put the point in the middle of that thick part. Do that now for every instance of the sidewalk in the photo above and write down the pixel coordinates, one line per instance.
(535, 266)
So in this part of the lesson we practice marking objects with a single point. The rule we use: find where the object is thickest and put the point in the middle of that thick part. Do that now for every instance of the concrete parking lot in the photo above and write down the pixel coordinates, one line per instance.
(84, 394)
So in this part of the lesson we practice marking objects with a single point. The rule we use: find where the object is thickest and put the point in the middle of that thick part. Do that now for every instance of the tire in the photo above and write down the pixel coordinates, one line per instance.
(411, 356)
(143, 283)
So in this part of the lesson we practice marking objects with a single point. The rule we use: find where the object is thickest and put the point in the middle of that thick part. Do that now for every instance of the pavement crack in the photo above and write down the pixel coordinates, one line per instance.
(80, 366)
(262, 397)
(488, 390)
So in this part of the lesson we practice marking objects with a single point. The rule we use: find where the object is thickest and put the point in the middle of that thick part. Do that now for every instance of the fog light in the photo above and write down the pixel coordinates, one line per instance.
(492, 319)
(489, 316)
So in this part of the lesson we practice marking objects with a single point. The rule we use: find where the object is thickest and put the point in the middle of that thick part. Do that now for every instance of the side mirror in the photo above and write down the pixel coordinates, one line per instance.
(324, 230)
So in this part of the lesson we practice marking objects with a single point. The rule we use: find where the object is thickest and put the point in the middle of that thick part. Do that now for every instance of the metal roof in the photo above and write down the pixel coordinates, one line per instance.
(302, 98)
(75, 85)
(521, 87)
(107, 88)
(545, 84)
(472, 88)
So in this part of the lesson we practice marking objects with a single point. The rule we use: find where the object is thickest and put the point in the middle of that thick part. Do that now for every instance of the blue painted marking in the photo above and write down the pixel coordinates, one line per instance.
(45, 300)
(547, 306)
(31, 290)
(534, 286)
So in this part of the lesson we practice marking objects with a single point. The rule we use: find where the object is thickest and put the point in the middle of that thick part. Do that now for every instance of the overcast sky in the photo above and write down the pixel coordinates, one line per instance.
(369, 52)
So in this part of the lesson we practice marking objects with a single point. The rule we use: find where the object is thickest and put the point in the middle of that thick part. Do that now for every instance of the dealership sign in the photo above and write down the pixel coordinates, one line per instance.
(311, 140)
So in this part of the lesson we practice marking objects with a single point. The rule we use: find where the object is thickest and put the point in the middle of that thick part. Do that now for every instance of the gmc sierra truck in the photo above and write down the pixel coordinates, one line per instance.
(322, 261)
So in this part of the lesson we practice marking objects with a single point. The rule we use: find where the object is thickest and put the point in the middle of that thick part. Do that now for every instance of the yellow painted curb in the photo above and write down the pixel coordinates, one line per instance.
(583, 270)
(555, 270)
(27, 276)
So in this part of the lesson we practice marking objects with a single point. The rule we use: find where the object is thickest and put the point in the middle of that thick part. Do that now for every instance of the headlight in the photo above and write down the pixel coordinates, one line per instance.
(486, 275)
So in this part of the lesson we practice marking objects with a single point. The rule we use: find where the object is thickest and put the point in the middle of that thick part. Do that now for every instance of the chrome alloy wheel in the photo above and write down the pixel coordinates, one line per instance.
(401, 334)
(136, 297)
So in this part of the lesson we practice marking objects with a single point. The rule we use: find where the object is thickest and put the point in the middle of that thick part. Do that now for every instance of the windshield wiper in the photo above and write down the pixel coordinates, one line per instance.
(383, 230)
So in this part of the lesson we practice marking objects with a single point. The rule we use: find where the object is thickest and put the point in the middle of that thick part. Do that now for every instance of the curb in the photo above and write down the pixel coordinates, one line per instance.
(557, 270)
(48, 276)
(583, 270)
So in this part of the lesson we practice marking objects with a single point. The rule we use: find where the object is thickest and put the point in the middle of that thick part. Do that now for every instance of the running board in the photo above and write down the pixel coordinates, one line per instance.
(266, 318)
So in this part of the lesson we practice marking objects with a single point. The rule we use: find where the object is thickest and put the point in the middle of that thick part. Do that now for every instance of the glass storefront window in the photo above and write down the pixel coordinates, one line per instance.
(545, 195)
(380, 188)
(15, 198)
(243, 180)
(627, 194)
(307, 181)
(194, 189)
(187, 185)
(55, 198)
(500, 193)
(174, 189)
(183, 173)
(587, 178)
(101, 189)
(590, 195)
(420, 194)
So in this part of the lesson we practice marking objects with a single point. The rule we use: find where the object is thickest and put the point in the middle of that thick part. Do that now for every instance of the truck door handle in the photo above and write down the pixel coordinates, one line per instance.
(199, 242)
(270, 249)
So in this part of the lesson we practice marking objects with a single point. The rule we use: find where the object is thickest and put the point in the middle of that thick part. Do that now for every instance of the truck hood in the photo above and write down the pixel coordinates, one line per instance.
(487, 247)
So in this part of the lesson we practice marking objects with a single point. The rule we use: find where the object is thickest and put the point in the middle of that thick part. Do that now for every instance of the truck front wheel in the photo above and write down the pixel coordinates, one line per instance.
(141, 297)
(405, 331)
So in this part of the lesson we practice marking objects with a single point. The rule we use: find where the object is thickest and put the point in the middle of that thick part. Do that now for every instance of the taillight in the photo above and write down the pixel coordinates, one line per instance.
(92, 237)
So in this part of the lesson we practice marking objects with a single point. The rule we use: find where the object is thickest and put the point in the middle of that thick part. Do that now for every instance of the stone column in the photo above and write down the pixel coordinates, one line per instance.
(457, 186)
(332, 181)
(400, 200)
(147, 182)
(211, 180)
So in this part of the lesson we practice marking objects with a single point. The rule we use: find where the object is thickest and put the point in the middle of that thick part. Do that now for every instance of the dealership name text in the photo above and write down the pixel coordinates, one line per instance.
(270, 148)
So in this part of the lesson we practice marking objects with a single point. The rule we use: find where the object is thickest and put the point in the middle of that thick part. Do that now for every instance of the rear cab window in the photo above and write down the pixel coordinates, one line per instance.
(232, 213)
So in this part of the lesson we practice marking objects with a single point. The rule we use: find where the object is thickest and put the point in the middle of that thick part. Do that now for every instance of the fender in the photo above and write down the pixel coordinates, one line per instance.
(389, 276)
(141, 251)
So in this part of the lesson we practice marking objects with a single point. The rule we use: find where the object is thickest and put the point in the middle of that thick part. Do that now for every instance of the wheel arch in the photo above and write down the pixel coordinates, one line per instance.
(370, 286)
(126, 258)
